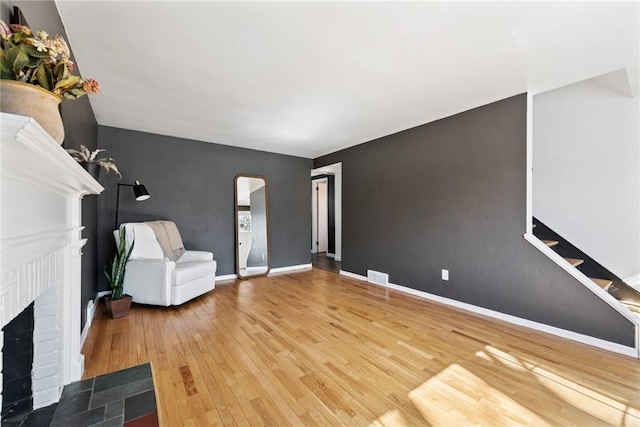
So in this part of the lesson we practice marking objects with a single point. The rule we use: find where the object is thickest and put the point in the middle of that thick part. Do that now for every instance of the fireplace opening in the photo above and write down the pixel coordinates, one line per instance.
(17, 364)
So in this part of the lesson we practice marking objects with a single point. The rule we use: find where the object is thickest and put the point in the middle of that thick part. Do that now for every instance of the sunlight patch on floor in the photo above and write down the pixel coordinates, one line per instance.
(576, 395)
(456, 396)
(391, 418)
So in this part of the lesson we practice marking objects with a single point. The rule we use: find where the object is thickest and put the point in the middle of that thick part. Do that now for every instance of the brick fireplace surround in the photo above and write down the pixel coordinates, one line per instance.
(40, 249)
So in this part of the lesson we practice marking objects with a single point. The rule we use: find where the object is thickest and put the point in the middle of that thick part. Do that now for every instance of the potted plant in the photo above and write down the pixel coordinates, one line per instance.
(118, 304)
(90, 161)
(35, 70)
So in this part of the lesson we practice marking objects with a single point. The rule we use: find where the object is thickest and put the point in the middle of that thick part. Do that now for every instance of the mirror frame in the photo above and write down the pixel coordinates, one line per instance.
(236, 211)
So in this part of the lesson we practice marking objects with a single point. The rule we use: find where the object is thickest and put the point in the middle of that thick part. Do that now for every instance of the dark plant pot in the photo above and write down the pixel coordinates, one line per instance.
(92, 168)
(119, 307)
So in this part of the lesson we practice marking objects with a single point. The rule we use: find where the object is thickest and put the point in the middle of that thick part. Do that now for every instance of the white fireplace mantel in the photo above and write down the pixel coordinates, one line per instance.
(41, 189)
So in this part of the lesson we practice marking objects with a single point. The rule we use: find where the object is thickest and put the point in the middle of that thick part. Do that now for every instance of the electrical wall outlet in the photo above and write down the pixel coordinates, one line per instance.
(445, 274)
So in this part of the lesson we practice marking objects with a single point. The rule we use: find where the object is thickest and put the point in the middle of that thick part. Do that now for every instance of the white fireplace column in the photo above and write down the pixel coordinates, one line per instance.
(41, 190)
(47, 359)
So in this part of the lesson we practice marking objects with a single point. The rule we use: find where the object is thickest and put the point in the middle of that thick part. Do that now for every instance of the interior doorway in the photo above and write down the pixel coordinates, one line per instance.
(326, 217)
(320, 216)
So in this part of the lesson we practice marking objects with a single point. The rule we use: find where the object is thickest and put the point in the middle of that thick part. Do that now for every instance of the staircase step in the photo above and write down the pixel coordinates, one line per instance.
(626, 295)
(574, 262)
(603, 283)
(635, 307)
(550, 243)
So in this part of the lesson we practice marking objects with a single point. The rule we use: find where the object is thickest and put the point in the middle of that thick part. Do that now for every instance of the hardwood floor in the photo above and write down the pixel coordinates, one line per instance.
(322, 261)
(316, 348)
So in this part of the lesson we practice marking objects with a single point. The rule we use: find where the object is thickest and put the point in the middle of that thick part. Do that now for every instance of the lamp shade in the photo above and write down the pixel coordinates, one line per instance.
(140, 191)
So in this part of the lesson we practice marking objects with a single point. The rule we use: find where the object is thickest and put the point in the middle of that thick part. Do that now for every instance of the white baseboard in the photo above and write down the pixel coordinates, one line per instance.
(338, 258)
(562, 333)
(290, 268)
(633, 281)
(91, 311)
(273, 270)
(353, 275)
(226, 277)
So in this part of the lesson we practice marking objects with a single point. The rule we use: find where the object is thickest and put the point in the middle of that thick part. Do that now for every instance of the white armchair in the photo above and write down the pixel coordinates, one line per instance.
(150, 278)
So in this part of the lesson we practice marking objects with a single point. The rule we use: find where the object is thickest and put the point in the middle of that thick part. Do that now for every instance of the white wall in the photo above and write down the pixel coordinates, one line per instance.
(586, 169)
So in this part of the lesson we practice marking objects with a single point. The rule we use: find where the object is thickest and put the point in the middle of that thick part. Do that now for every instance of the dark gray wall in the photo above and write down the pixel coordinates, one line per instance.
(80, 128)
(258, 251)
(452, 194)
(191, 183)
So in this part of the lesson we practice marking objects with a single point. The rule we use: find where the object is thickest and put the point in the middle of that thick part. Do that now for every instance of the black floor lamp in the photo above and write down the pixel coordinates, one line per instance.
(139, 191)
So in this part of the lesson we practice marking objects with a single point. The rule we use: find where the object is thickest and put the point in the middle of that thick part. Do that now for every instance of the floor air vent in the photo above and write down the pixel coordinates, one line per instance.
(377, 277)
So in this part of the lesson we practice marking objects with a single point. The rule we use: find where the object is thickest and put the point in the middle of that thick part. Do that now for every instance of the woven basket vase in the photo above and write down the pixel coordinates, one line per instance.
(33, 101)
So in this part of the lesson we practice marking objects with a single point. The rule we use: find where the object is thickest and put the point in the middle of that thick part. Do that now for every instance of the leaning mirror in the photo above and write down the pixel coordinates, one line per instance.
(252, 224)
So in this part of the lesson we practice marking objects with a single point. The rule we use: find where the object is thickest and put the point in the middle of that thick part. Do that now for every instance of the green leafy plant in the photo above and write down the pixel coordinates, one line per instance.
(116, 276)
(84, 155)
(41, 61)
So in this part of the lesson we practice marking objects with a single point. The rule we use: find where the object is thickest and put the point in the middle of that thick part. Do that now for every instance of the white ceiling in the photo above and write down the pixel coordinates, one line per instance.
(310, 78)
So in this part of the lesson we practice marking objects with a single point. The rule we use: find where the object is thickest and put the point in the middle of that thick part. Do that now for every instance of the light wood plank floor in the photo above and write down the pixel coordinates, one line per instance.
(316, 348)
